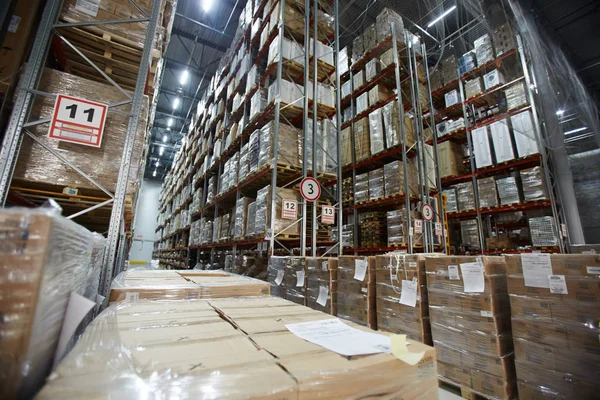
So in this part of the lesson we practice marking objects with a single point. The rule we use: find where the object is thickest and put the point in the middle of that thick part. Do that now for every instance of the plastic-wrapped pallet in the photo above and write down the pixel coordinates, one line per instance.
(253, 79)
(370, 38)
(397, 229)
(346, 146)
(504, 39)
(212, 190)
(467, 63)
(288, 152)
(464, 196)
(362, 141)
(483, 49)
(362, 103)
(523, 131)
(435, 79)
(244, 166)
(376, 128)
(492, 79)
(253, 151)
(451, 98)
(252, 266)
(258, 103)
(555, 324)
(383, 24)
(241, 213)
(377, 94)
(348, 235)
(391, 122)
(543, 231)
(450, 159)
(321, 284)
(508, 191)
(394, 178)
(346, 89)
(473, 87)
(501, 139)
(343, 60)
(251, 219)
(356, 290)
(295, 280)
(470, 323)
(401, 289)
(216, 234)
(372, 69)
(532, 181)
(469, 233)
(358, 79)
(358, 48)
(515, 96)
(376, 185)
(373, 231)
(481, 147)
(263, 212)
(488, 196)
(276, 275)
(449, 69)
(451, 203)
(361, 188)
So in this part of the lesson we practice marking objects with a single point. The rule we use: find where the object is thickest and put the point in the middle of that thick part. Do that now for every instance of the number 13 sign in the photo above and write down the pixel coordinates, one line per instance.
(78, 121)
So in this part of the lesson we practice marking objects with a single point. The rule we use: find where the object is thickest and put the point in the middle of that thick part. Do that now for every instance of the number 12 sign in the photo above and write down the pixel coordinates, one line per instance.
(78, 121)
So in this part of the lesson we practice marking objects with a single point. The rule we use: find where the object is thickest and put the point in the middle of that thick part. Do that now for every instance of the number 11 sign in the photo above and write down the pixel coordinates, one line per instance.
(78, 121)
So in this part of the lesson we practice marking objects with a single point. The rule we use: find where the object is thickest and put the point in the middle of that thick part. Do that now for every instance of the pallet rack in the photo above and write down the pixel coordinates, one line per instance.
(19, 120)
(200, 166)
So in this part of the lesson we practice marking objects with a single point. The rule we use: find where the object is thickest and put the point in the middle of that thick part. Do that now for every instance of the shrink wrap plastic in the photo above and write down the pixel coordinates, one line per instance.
(534, 188)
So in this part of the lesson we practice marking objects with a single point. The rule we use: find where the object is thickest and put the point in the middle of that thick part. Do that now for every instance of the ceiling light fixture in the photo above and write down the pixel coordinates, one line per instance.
(184, 77)
(161, 151)
(157, 163)
(583, 128)
(448, 11)
(207, 5)
(170, 122)
(164, 138)
(175, 103)
(154, 173)
(560, 112)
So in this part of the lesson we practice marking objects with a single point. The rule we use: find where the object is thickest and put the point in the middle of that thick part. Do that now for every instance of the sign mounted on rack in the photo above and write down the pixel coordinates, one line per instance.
(289, 209)
(78, 121)
(310, 189)
(427, 212)
(438, 229)
(418, 226)
(327, 214)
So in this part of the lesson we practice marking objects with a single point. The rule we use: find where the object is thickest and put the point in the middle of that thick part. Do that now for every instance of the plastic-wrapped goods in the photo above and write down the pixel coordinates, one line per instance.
(378, 94)
(543, 231)
(451, 203)
(212, 189)
(362, 145)
(253, 79)
(348, 235)
(501, 139)
(376, 128)
(376, 186)
(397, 229)
(370, 38)
(473, 87)
(554, 305)
(523, 131)
(324, 52)
(295, 280)
(483, 49)
(435, 79)
(391, 122)
(449, 71)
(43, 259)
(451, 98)
(252, 266)
(346, 89)
(361, 188)
(356, 290)
(470, 323)
(373, 232)
(383, 24)
(263, 212)
(358, 79)
(469, 233)
(481, 147)
(450, 159)
(347, 114)
(288, 146)
(36, 164)
(492, 79)
(225, 227)
(508, 191)
(321, 284)
(216, 233)
(290, 93)
(394, 178)
(401, 289)
(372, 69)
(258, 102)
(532, 181)
(488, 196)
(467, 63)
(464, 196)
(251, 219)
(343, 60)
(165, 340)
(243, 167)
(504, 39)
(362, 102)
(515, 96)
(346, 146)
(253, 151)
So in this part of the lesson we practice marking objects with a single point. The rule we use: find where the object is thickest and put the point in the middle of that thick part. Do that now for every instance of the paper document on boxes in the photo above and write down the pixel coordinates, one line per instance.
(334, 335)
(473, 279)
(536, 269)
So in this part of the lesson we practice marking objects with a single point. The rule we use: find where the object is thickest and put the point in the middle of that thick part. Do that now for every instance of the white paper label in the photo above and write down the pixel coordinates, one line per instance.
(438, 229)
(13, 26)
(418, 226)
(363, 290)
(89, 7)
(323, 294)
(132, 296)
(593, 270)
(486, 314)
(336, 336)
(412, 264)
(557, 284)
(279, 277)
(325, 265)
(409, 293)
(536, 269)
(411, 231)
(563, 229)
(300, 278)
(360, 269)
(453, 273)
(473, 280)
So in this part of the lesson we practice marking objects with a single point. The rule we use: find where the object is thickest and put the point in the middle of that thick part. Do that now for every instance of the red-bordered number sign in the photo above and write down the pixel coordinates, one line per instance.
(310, 189)
(327, 215)
(78, 121)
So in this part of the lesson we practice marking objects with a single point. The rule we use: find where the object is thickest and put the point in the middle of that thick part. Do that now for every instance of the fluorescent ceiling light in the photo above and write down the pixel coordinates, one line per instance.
(448, 11)
(161, 151)
(175, 103)
(154, 173)
(170, 122)
(164, 138)
(583, 128)
(157, 163)
(560, 112)
(207, 5)
(168, 128)
(184, 76)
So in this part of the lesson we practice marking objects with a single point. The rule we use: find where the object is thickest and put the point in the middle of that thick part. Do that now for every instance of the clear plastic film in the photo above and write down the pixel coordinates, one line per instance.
(216, 233)
(378, 94)
(361, 188)
(258, 102)
(276, 274)
(450, 158)
(488, 196)
(243, 166)
(226, 348)
(532, 181)
(356, 290)
(343, 60)
(362, 139)
(251, 219)
(464, 196)
(384, 21)
(451, 202)
(473, 87)
(36, 164)
(397, 227)
(289, 150)
(212, 189)
(376, 129)
(253, 151)
(394, 178)
(225, 224)
(348, 235)
(362, 103)
(376, 186)
(43, 258)
(515, 96)
(501, 139)
(372, 229)
(469, 233)
(295, 280)
(372, 68)
(241, 213)
(543, 231)
(508, 191)
(524, 134)
(391, 123)
(263, 212)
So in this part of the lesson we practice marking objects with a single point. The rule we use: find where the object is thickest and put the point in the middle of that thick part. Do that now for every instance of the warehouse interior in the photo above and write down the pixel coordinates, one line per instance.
(298, 199)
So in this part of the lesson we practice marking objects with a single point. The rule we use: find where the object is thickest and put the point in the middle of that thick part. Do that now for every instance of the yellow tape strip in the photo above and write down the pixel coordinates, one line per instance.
(400, 351)
(138, 262)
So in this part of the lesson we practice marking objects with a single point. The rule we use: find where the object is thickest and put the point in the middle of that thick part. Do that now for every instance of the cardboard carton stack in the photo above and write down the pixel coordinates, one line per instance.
(470, 323)
(401, 287)
(554, 305)
(356, 290)
(321, 284)
(295, 280)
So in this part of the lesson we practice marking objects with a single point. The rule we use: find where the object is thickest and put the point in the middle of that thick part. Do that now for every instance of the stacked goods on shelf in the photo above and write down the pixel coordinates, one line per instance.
(373, 230)
(321, 284)
(276, 274)
(169, 285)
(554, 306)
(470, 323)
(237, 347)
(356, 290)
(38, 169)
(401, 289)
(287, 227)
(45, 259)
(295, 280)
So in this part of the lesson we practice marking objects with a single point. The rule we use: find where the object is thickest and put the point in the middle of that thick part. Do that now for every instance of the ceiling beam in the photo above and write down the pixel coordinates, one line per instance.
(190, 36)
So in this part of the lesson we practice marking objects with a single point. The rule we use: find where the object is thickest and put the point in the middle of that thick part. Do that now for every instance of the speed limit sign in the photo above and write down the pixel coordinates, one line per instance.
(427, 212)
(310, 189)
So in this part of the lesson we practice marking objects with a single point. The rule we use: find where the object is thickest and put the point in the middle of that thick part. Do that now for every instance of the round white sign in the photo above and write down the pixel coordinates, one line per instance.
(310, 189)
(427, 212)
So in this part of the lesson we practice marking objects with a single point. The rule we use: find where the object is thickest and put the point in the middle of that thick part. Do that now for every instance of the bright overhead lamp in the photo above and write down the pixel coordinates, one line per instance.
(161, 151)
(207, 5)
(168, 128)
(164, 138)
(560, 112)
(583, 128)
(170, 122)
(154, 173)
(438, 19)
(157, 163)
(175, 103)
(184, 77)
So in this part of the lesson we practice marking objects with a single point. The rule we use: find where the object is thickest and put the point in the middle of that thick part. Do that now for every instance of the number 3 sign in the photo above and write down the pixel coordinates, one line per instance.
(78, 121)
(310, 189)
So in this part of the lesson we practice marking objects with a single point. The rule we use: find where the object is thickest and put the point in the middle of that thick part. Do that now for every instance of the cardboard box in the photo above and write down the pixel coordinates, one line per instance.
(295, 280)
(356, 298)
(450, 159)
(321, 284)
(362, 146)
(378, 94)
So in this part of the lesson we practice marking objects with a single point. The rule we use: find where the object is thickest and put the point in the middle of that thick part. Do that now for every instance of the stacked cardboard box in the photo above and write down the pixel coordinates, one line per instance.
(554, 303)
(394, 178)
(295, 280)
(356, 290)
(470, 323)
(275, 275)
(263, 212)
(321, 284)
(401, 287)
(373, 230)
(397, 227)
(362, 141)
(450, 159)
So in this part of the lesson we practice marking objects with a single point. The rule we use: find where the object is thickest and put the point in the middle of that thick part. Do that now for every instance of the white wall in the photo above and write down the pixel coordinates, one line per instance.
(145, 222)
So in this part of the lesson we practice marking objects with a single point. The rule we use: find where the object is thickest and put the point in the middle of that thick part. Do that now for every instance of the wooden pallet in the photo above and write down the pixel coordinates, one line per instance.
(461, 390)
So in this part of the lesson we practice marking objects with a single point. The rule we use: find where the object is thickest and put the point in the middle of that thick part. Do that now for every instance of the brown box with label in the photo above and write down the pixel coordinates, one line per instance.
(295, 280)
(356, 290)
(321, 284)
(450, 159)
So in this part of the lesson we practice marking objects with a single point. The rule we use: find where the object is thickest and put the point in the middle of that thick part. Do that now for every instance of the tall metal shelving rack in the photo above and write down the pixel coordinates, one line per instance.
(18, 123)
